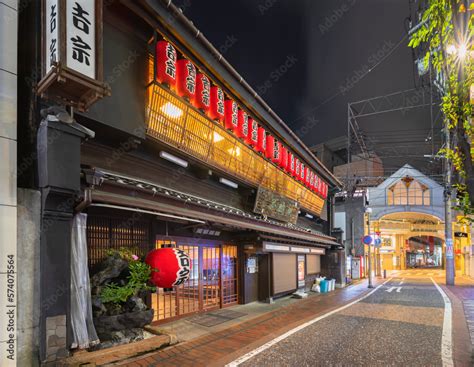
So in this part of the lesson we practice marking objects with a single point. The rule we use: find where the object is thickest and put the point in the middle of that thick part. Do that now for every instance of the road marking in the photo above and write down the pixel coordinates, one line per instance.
(401, 282)
(446, 340)
(399, 289)
(272, 342)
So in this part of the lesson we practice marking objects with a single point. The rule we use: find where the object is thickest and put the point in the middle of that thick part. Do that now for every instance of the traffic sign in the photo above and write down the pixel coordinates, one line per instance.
(367, 240)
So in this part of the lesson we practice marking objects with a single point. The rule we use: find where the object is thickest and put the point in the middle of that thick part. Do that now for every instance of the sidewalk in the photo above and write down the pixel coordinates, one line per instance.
(462, 299)
(223, 343)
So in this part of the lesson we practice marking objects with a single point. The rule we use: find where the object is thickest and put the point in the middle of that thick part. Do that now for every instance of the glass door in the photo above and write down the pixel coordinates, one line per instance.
(210, 277)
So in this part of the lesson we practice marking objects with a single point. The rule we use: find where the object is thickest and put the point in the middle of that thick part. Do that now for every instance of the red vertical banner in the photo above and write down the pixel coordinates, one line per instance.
(217, 109)
(243, 127)
(165, 63)
(284, 157)
(202, 97)
(252, 136)
(270, 146)
(231, 115)
(262, 140)
(186, 79)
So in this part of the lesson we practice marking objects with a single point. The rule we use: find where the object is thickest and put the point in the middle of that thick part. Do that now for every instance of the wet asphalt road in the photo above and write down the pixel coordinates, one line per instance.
(402, 327)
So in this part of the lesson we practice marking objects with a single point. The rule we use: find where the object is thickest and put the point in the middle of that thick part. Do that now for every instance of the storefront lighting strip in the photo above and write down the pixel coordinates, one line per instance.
(148, 212)
(229, 183)
(173, 159)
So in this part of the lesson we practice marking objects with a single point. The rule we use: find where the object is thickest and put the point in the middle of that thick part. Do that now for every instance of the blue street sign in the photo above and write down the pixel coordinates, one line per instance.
(367, 240)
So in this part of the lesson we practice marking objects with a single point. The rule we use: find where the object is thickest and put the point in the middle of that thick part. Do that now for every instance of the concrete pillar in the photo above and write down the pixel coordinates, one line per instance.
(29, 221)
(8, 196)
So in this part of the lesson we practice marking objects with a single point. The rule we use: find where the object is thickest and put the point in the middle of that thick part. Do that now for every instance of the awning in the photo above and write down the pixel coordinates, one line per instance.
(114, 189)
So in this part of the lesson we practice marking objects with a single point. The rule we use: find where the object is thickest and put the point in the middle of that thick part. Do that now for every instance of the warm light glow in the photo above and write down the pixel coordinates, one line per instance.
(462, 52)
(234, 151)
(451, 49)
(171, 110)
(216, 137)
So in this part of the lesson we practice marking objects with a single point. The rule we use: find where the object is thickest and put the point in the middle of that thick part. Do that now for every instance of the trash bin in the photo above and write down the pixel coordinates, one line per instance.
(324, 286)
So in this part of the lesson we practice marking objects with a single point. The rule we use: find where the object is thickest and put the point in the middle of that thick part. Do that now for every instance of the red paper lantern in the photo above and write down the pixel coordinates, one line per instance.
(290, 163)
(231, 115)
(284, 157)
(307, 176)
(317, 184)
(311, 180)
(262, 140)
(296, 172)
(216, 110)
(276, 158)
(165, 63)
(170, 267)
(270, 146)
(186, 75)
(320, 187)
(252, 136)
(243, 127)
(202, 97)
(302, 172)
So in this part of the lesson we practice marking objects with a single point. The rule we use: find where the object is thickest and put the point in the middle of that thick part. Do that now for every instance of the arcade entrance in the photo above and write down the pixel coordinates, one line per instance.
(424, 252)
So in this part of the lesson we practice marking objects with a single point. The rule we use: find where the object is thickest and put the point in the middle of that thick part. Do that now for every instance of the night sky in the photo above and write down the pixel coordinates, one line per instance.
(305, 58)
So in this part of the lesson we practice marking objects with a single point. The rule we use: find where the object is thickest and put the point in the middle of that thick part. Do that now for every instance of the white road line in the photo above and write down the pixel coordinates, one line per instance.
(401, 282)
(272, 342)
(446, 340)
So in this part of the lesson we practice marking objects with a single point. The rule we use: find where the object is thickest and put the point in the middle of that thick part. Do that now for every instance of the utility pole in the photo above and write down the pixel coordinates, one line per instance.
(448, 220)
(369, 265)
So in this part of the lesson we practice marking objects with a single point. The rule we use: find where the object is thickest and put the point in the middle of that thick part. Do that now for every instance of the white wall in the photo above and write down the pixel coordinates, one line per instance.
(8, 158)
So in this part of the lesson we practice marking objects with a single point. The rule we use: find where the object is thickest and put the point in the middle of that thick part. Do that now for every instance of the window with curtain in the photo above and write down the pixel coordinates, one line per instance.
(408, 191)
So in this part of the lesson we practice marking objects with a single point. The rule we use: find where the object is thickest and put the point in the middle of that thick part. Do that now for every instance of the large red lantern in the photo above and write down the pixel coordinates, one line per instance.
(307, 176)
(284, 157)
(165, 63)
(290, 163)
(269, 146)
(311, 180)
(296, 172)
(316, 184)
(186, 75)
(216, 110)
(243, 124)
(262, 140)
(202, 97)
(276, 158)
(231, 115)
(170, 266)
(252, 136)
(302, 172)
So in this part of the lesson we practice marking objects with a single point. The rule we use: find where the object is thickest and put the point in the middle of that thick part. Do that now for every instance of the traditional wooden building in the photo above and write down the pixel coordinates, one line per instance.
(170, 146)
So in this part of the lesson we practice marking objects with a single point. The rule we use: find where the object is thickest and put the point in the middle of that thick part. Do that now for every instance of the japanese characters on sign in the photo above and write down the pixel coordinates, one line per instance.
(252, 136)
(186, 79)
(52, 30)
(166, 63)
(231, 115)
(216, 111)
(202, 98)
(243, 129)
(80, 37)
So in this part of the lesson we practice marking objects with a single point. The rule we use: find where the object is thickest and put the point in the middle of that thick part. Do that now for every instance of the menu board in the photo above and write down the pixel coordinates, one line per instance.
(273, 205)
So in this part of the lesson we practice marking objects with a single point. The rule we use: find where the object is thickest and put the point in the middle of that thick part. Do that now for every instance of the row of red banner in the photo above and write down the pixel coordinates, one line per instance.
(182, 77)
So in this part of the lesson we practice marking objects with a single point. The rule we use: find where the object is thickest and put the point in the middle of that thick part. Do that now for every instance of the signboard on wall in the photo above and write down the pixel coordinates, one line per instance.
(301, 270)
(276, 206)
(72, 53)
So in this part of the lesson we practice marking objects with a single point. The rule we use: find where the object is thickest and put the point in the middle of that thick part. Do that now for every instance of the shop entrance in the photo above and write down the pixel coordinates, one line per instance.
(212, 283)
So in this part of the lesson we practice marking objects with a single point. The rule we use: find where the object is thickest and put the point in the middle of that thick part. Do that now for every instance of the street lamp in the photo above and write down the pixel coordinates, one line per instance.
(369, 265)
